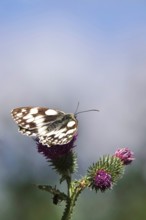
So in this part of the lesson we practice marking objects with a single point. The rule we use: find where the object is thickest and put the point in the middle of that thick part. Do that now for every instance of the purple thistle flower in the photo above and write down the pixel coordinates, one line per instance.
(102, 180)
(126, 155)
(55, 151)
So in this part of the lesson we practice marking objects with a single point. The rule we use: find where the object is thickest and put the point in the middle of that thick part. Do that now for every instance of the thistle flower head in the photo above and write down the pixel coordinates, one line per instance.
(61, 157)
(105, 173)
(55, 151)
(125, 155)
(102, 180)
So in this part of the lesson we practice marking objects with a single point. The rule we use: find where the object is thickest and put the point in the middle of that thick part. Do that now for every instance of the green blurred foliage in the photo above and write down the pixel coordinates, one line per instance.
(25, 201)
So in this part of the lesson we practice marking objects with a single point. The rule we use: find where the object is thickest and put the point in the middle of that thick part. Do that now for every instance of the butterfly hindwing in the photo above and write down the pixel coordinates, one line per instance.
(51, 126)
(61, 131)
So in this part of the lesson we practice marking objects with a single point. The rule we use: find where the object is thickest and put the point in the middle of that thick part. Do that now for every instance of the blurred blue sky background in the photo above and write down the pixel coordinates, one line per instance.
(56, 53)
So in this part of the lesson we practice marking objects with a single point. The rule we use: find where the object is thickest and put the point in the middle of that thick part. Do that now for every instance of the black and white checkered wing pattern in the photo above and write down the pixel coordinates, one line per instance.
(51, 126)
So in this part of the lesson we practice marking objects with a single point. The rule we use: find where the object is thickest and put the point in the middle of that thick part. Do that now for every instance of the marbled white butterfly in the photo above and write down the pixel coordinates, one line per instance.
(51, 127)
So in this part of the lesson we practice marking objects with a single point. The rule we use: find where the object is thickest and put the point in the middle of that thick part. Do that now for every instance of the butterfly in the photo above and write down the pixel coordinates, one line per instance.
(50, 126)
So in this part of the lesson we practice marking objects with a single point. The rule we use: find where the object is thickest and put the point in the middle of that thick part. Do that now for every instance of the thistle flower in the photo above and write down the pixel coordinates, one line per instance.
(105, 173)
(102, 180)
(125, 155)
(60, 157)
(55, 151)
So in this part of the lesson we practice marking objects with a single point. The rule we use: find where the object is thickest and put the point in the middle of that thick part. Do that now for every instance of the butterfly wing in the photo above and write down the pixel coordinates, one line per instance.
(31, 119)
(60, 131)
(51, 126)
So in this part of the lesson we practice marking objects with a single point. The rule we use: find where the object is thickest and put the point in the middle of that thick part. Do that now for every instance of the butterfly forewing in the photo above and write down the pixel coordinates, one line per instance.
(51, 126)
(30, 118)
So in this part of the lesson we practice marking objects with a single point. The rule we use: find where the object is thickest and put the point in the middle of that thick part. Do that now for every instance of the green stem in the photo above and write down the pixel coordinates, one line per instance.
(69, 208)
(68, 181)
(70, 203)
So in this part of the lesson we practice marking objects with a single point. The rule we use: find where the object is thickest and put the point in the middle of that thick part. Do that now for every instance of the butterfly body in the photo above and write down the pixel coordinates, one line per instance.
(51, 127)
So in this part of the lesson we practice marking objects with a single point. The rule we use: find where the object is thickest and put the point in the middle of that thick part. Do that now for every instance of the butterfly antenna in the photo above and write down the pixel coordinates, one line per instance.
(90, 110)
(77, 108)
